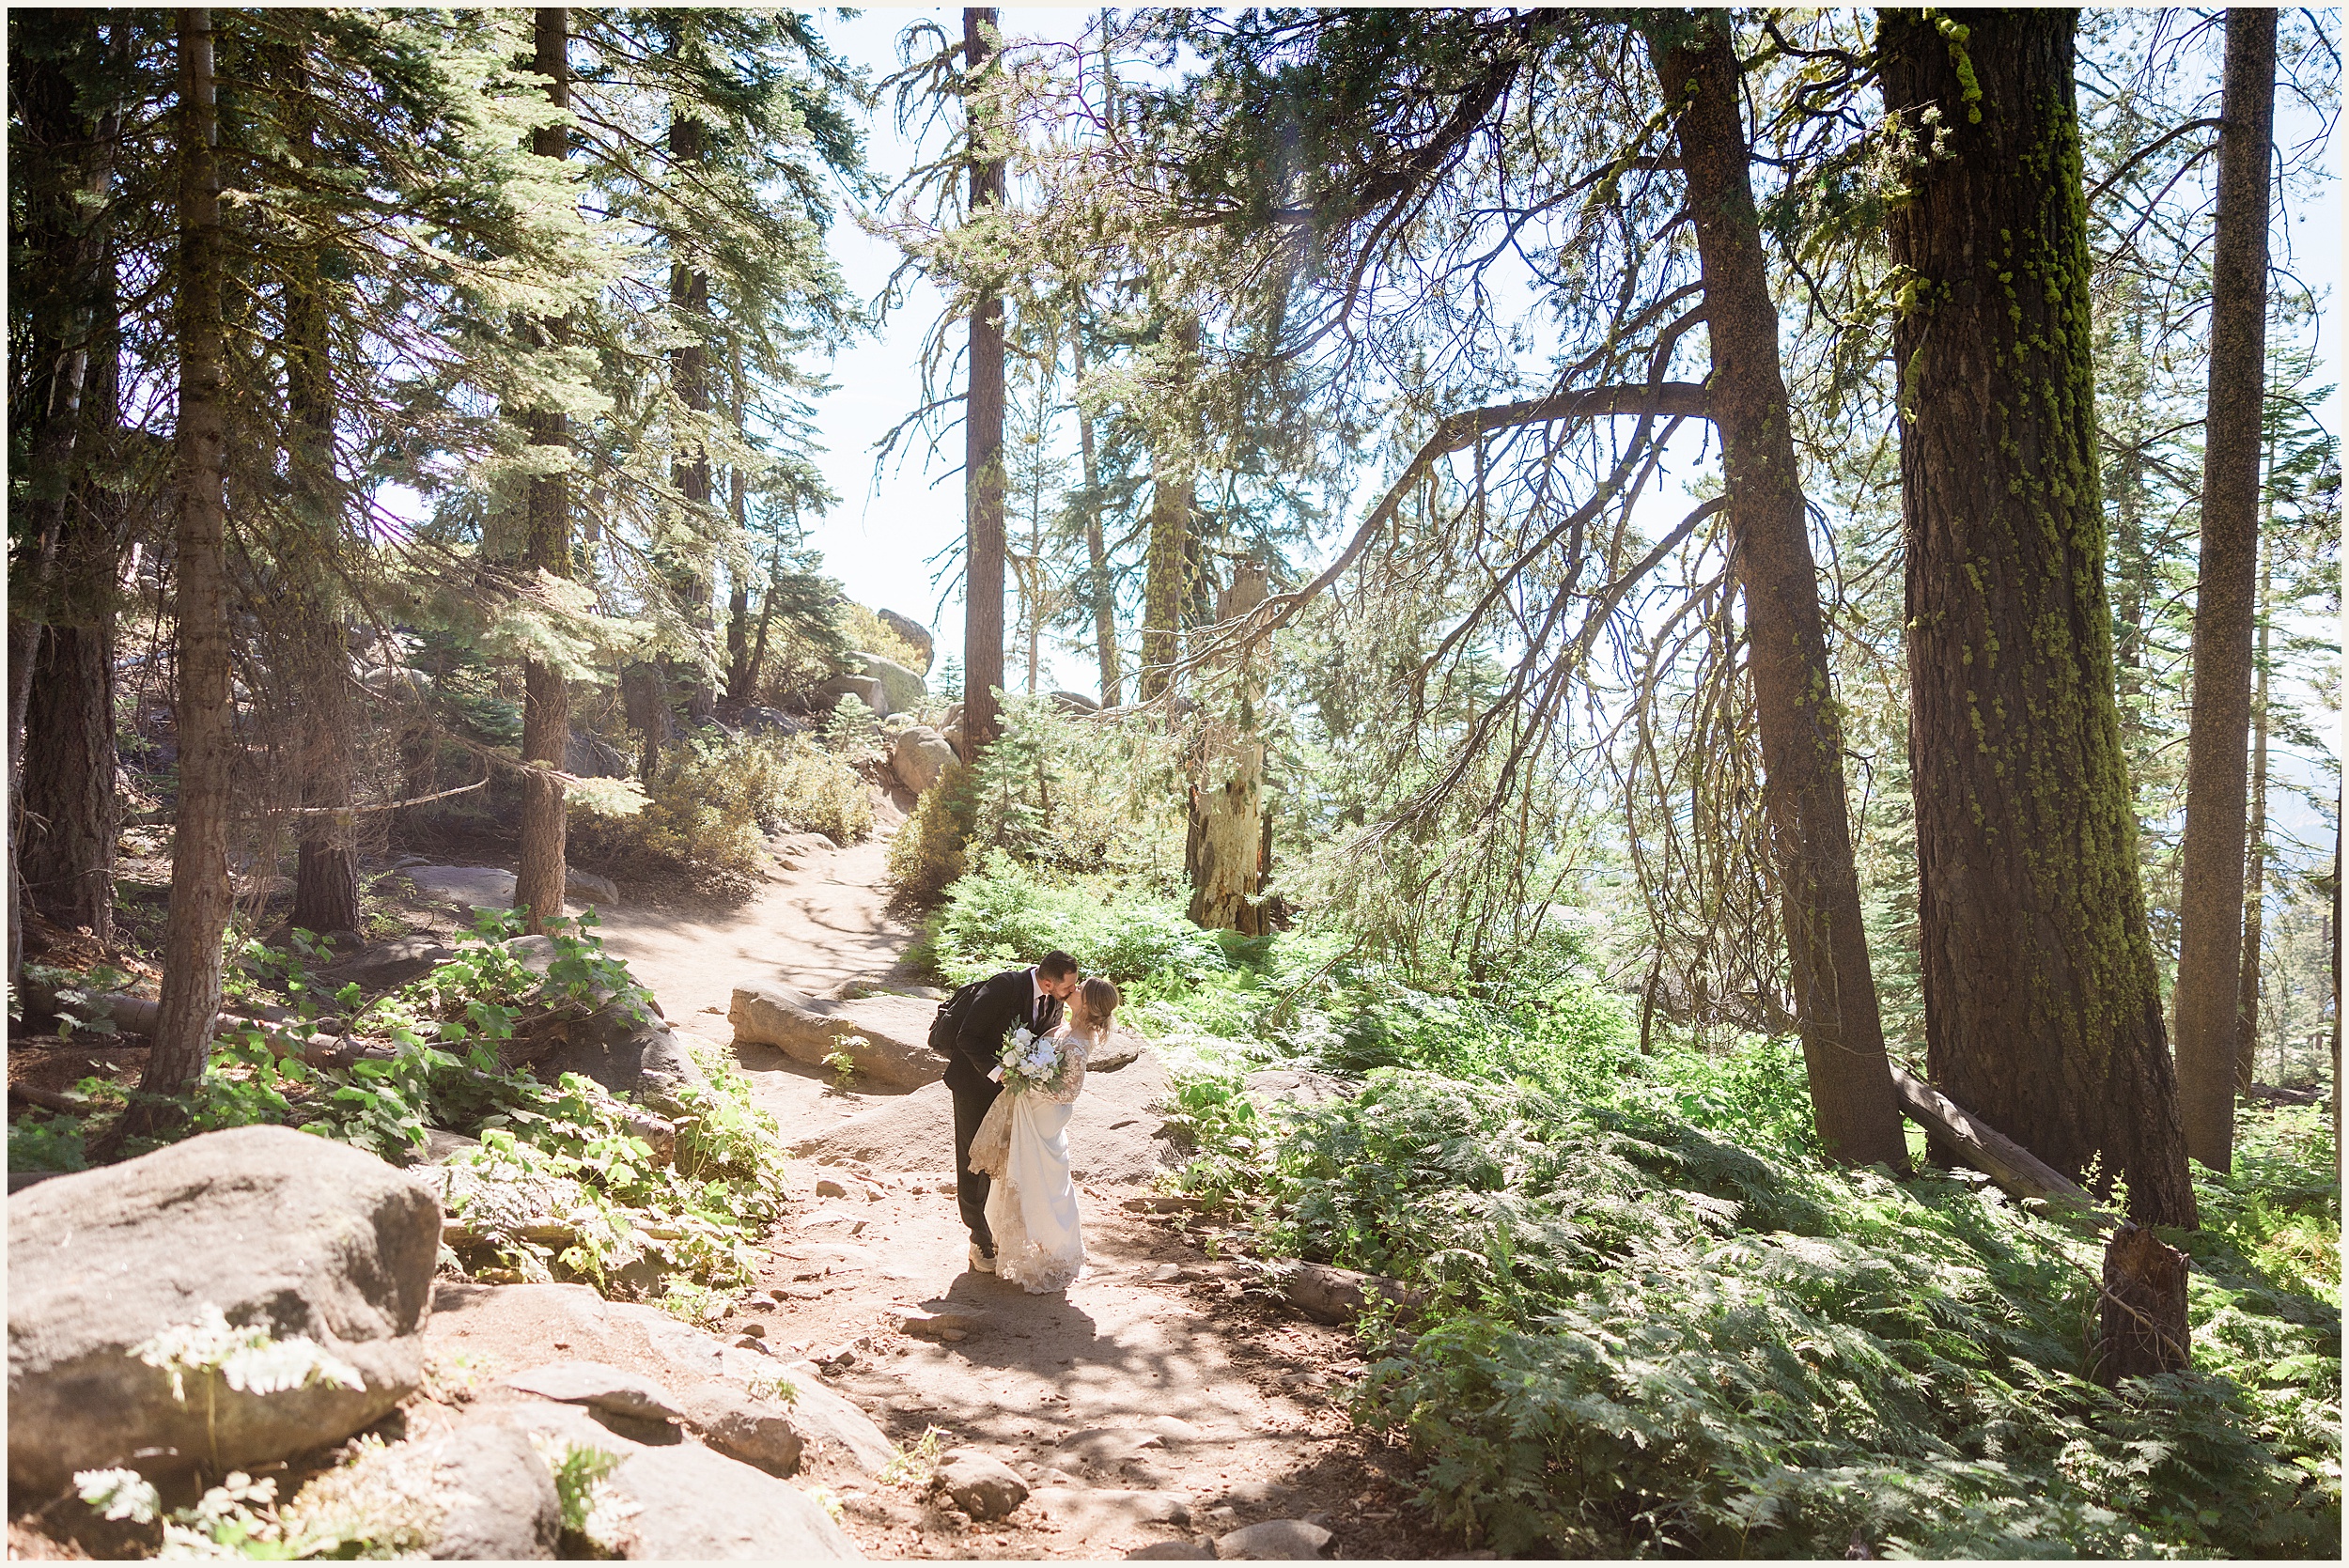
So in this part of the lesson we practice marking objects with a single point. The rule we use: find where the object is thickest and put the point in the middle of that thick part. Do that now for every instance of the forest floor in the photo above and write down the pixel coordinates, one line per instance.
(1152, 1403)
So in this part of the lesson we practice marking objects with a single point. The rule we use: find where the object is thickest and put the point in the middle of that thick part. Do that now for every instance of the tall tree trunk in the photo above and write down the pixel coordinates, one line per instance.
(741, 673)
(1166, 579)
(547, 545)
(60, 781)
(2043, 1005)
(1224, 854)
(1802, 742)
(326, 868)
(1096, 550)
(2255, 857)
(207, 722)
(2210, 916)
(982, 432)
(689, 297)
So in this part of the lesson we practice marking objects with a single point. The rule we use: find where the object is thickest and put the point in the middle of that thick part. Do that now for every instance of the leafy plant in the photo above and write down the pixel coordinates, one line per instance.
(915, 1464)
(841, 1059)
(249, 1359)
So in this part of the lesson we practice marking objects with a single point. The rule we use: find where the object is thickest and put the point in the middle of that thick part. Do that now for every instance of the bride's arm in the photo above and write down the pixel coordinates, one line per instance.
(1073, 1048)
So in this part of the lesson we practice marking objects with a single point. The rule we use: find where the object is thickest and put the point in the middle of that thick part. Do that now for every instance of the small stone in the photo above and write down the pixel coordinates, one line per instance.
(600, 1388)
(751, 1342)
(743, 1428)
(1274, 1541)
(755, 1329)
(838, 1359)
(938, 1325)
(1173, 1551)
(953, 1336)
(981, 1484)
(827, 1188)
(1166, 1274)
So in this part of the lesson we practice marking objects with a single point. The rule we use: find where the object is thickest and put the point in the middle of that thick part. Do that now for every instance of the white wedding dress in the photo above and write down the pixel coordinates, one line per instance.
(1039, 1236)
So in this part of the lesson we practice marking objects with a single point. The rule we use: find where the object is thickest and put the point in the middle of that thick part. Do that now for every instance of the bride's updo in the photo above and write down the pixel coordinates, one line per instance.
(1101, 999)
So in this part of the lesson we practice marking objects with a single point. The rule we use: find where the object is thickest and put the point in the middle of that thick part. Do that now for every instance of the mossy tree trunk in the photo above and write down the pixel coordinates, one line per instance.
(1225, 849)
(982, 442)
(1801, 730)
(1166, 579)
(207, 726)
(2210, 913)
(541, 871)
(2043, 1005)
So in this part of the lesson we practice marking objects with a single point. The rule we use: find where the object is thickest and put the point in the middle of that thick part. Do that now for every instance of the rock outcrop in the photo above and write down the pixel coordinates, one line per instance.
(886, 1036)
(691, 1502)
(265, 1226)
(919, 756)
(902, 686)
(914, 633)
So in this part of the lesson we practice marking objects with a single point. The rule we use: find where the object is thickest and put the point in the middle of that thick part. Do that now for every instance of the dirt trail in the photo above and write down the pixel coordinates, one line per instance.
(1152, 1403)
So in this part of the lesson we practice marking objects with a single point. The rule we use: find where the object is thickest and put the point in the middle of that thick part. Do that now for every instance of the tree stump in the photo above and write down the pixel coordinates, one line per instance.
(2143, 1330)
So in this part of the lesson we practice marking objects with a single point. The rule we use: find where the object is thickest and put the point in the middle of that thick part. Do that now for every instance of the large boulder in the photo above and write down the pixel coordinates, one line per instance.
(694, 1502)
(914, 633)
(478, 1493)
(272, 1228)
(886, 1036)
(865, 689)
(904, 689)
(591, 757)
(919, 757)
(475, 887)
(587, 887)
(771, 721)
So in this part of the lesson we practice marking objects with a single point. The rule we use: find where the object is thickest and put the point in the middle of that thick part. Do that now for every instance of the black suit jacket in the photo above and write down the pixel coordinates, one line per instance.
(1002, 1006)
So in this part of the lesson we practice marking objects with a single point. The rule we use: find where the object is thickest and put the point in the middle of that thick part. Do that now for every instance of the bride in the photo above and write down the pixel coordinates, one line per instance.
(1023, 1143)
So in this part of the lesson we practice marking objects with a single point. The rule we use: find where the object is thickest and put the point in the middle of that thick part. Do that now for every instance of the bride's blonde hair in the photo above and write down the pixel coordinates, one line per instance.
(1101, 1000)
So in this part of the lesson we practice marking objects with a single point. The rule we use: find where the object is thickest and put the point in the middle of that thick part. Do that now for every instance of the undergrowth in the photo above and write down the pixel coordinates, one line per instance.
(1657, 1321)
(562, 1185)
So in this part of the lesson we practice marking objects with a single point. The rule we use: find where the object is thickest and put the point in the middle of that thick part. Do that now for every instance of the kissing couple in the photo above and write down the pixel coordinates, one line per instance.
(1015, 1047)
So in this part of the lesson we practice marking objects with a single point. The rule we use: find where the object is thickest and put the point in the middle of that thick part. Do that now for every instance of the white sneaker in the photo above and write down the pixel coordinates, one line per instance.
(980, 1261)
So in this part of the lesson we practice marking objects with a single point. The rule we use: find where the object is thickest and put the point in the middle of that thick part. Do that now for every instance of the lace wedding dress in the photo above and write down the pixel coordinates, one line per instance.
(1023, 1143)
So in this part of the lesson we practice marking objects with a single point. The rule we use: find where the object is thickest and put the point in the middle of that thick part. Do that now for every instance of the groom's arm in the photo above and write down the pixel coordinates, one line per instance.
(981, 1036)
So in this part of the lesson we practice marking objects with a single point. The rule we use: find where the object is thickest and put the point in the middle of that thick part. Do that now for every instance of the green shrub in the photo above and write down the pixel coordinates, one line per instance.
(929, 852)
(1003, 915)
(714, 803)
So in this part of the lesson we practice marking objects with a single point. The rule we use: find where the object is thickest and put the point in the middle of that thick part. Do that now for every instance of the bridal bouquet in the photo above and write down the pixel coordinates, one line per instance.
(1030, 1063)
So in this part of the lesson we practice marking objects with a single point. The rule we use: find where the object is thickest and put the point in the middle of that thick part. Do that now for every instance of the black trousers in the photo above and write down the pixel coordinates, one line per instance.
(973, 1093)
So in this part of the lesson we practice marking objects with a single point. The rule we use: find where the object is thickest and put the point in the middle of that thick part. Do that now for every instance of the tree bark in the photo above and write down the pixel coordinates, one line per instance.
(983, 435)
(2043, 1002)
(1096, 550)
(326, 868)
(547, 545)
(1794, 708)
(1166, 581)
(2255, 857)
(1225, 855)
(689, 297)
(2142, 1331)
(2210, 915)
(60, 817)
(207, 722)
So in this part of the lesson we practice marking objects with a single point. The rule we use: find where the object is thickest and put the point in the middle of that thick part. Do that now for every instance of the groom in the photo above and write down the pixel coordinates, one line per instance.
(990, 1011)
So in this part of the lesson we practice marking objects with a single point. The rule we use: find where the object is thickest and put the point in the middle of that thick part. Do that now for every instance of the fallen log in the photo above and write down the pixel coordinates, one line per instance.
(1334, 1296)
(2272, 1094)
(1989, 1150)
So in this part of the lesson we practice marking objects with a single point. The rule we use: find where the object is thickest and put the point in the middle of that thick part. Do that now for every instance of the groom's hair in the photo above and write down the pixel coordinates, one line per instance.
(1056, 963)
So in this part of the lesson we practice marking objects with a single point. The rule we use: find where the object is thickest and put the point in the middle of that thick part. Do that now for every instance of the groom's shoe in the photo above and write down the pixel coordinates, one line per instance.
(981, 1259)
